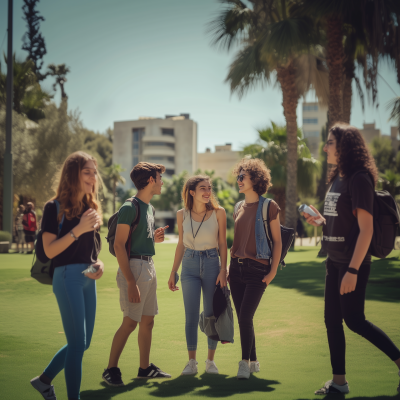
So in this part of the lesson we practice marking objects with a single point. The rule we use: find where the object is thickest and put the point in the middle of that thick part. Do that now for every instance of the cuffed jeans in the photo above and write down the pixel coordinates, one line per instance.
(350, 307)
(200, 270)
(247, 288)
(76, 297)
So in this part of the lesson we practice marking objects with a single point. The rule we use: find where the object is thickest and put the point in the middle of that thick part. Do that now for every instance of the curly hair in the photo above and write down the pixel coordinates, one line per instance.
(352, 153)
(142, 172)
(191, 184)
(69, 192)
(260, 175)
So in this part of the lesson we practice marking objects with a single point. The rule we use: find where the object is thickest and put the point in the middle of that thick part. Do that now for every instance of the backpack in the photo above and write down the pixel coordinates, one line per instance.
(42, 266)
(287, 234)
(386, 220)
(112, 228)
(29, 221)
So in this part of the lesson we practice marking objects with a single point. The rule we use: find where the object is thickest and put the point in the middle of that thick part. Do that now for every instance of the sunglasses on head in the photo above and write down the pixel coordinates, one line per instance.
(240, 178)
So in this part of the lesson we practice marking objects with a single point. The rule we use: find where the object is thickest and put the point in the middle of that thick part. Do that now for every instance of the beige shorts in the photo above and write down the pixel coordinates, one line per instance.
(146, 280)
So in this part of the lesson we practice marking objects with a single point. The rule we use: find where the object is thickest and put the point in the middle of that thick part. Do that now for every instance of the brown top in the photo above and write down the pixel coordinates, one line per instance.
(244, 241)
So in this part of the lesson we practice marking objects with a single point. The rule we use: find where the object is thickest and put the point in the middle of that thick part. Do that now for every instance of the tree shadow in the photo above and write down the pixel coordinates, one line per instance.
(204, 385)
(309, 278)
(342, 397)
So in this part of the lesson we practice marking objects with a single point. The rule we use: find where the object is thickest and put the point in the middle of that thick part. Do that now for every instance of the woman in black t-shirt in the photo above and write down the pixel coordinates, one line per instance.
(348, 263)
(72, 241)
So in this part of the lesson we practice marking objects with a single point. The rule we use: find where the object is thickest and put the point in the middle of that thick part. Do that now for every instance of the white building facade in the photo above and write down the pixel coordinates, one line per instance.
(171, 141)
(315, 117)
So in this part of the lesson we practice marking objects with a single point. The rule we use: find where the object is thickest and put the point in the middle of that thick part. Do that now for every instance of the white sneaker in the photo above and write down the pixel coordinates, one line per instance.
(211, 368)
(244, 370)
(47, 391)
(332, 387)
(191, 368)
(254, 366)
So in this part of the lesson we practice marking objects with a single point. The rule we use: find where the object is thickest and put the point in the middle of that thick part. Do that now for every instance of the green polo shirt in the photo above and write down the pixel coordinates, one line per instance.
(142, 243)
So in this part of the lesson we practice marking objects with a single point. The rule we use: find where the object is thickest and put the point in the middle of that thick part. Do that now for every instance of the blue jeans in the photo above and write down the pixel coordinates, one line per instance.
(76, 297)
(200, 270)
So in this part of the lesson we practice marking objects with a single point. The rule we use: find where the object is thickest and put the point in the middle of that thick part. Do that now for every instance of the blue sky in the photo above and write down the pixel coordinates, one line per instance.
(131, 58)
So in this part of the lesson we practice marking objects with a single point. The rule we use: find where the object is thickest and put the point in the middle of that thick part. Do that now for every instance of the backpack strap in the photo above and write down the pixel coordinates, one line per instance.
(60, 225)
(265, 216)
(134, 224)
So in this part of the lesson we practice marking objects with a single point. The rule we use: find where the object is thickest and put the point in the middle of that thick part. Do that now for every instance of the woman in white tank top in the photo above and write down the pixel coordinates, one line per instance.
(202, 234)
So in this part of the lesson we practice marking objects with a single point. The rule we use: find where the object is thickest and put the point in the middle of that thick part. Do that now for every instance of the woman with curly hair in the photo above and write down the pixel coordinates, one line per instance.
(347, 234)
(202, 250)
(70, 238)
(253, 263)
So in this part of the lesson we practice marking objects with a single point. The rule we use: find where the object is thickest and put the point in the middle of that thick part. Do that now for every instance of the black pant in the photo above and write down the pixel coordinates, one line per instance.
(350, 307)
(247, 288)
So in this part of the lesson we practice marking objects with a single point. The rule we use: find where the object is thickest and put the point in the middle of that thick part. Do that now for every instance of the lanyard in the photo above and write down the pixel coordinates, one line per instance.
(191, 223)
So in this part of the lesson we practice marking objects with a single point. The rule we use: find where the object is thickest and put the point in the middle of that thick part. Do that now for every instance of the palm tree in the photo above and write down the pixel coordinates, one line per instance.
(114, 174)
(272, 148)
(275, 41)
(59, 72)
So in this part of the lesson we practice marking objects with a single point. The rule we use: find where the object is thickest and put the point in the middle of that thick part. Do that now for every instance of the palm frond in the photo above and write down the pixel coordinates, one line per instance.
(394, 106)
(248, 70)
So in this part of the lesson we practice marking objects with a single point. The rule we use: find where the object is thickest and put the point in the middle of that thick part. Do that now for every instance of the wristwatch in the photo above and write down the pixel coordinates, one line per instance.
(72, 234)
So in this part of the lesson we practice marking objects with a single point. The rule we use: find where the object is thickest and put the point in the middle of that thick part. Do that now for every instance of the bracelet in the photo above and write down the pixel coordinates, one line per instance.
(72, 235)
(352, 271)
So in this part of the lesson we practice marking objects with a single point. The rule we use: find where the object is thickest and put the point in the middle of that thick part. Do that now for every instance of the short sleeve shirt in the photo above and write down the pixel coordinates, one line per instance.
(85, 250)
(339, 210)
(142, 242)
(244, 241)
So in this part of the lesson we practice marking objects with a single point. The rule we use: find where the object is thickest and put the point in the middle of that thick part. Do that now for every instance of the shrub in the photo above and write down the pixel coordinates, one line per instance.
(229, 238)
(5, 236)
(106, 217)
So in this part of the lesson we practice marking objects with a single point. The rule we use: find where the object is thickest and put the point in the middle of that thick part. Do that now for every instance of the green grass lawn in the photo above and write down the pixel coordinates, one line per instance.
(291, 339)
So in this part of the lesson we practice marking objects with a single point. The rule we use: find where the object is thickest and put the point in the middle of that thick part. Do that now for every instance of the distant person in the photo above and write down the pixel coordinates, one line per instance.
(253, 263)
(347, 271)
(30, 226)
(19, 227)
(75, 249)
(202, 250)
(136, 276)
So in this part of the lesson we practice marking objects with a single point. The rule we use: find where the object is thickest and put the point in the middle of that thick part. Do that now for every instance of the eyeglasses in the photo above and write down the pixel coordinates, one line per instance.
(240, 178)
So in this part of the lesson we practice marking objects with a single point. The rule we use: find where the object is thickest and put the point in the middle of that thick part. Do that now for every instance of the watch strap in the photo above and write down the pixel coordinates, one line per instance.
(352, 271)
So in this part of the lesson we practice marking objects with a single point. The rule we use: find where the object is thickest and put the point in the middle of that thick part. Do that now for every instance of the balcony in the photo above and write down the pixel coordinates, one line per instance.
(158, 151)
(160, 138)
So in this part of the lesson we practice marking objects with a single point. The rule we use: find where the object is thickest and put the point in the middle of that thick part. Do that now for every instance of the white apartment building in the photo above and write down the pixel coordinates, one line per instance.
(171, 141)
(315, 117)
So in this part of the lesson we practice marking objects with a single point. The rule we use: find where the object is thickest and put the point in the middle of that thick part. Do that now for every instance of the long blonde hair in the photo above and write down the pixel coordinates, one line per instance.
(69, 192)
(191, 184)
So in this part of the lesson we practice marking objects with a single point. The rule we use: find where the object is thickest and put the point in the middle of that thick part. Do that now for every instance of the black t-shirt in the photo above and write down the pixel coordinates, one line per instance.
(341, 230)
(85, 250)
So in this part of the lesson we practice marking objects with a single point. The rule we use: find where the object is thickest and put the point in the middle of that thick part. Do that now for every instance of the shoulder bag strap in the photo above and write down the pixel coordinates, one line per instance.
(265, 216)
(60, 225)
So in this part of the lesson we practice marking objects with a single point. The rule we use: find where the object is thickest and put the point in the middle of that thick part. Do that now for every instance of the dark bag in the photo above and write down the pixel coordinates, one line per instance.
(386, 219)
(112, 228)
(287, 234)
(42, 267)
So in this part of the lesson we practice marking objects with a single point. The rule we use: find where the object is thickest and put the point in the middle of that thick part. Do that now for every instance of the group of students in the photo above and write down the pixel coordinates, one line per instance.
(71, 239)
(25, 227)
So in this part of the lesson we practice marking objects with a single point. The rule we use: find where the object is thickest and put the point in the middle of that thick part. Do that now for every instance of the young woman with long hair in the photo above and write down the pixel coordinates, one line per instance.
(348, 204)
(253, 263)
(73, 250)
(202, 234)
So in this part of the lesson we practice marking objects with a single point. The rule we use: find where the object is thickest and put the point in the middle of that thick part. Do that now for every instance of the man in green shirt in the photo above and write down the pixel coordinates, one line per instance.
(136, 277)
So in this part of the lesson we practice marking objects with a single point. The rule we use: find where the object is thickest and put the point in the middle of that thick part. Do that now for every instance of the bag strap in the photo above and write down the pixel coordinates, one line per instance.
(134, 201)
(265, 216)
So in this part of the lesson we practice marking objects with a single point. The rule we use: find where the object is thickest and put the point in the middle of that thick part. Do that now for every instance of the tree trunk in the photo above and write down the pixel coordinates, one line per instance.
(280, 199)
(286, 78)
(114, 197)
(335, 58)
(349, 68)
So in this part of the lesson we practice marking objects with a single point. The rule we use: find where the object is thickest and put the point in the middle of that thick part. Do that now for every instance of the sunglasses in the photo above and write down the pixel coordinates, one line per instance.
(240, 178)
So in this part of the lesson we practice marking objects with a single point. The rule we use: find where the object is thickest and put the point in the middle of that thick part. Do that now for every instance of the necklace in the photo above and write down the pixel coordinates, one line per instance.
(191, 223)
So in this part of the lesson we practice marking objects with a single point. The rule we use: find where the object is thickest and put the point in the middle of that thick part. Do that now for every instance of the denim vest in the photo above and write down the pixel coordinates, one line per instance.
(263, 250)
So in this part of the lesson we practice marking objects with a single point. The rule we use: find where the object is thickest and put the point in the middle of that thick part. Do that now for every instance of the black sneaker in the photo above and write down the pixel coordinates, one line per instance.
(112, 377)
(152, 372)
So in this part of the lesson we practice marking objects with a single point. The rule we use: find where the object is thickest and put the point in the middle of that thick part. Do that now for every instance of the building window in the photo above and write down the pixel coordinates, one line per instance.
(311, 134)
(310, 120)
(310, 107)
(167, 131)
(163, 144)
(170, 172)
(137, 134)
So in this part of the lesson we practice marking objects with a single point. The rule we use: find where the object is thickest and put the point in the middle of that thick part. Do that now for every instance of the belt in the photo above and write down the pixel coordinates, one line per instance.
(146, 258)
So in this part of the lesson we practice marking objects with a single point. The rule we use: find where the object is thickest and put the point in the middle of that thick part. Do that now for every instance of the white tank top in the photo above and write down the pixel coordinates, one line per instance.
(207, 236)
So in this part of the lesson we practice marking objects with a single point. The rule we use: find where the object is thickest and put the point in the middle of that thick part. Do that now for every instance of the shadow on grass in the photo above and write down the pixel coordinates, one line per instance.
(309, 278)
(343, 397)
(205, 385)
